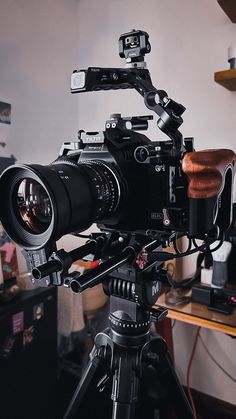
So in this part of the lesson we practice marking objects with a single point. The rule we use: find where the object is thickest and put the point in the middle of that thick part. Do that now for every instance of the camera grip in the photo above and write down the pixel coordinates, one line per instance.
(206, 171)
(210, 179)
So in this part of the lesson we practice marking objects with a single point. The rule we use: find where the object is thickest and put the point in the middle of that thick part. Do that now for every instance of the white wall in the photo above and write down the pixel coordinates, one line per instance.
(38, 52)
(189, 42)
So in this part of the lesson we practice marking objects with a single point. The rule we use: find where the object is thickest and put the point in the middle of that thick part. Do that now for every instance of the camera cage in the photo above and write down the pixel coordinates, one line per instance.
(117, 248)
(210, 202)
(131, 262)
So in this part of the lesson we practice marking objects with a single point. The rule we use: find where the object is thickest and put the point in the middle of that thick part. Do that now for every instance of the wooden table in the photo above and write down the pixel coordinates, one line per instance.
(199, 315)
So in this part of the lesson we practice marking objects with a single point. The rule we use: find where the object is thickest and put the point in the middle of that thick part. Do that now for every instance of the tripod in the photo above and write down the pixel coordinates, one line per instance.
(136, 365)
(130, 368)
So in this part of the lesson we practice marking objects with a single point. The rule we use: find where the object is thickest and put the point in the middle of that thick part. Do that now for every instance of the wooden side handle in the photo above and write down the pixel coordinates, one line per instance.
(206, 171)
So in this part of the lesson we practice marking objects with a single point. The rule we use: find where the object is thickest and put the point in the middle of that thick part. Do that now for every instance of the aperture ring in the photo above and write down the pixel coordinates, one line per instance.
(105, 186)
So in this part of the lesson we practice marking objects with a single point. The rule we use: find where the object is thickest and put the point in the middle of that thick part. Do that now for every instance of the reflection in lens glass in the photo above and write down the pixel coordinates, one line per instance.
(34, 206)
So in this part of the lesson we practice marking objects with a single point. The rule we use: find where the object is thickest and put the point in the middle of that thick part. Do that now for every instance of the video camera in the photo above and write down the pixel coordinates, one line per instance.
(143, 194)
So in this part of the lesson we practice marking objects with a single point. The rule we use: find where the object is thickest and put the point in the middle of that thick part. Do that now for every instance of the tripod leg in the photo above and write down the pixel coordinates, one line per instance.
(155, 353)
(85, 380)
(125, 384)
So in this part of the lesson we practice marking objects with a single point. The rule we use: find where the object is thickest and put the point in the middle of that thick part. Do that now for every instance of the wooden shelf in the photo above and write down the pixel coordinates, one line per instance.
(229, 7)
(227, 79)
(199, 315)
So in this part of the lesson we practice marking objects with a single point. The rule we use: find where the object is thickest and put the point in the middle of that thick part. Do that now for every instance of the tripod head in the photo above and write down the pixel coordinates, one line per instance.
(130, 272)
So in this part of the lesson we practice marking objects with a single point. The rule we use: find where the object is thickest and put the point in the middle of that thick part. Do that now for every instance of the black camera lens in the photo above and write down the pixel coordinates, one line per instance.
(27, 209)
(34, 206)
(42, 203)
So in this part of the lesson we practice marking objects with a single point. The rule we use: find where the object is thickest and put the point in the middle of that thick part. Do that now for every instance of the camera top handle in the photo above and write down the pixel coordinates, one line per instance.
(169, 111)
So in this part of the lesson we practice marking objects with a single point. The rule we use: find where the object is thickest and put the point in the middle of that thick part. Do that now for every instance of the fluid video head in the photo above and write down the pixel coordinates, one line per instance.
(118, 178)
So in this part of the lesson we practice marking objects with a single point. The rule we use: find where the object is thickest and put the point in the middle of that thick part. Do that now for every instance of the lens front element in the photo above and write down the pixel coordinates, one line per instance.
(27, 209)
(34, 206)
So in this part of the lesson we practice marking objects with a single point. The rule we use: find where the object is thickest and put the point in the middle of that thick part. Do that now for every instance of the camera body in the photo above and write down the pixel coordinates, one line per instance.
(146, 188)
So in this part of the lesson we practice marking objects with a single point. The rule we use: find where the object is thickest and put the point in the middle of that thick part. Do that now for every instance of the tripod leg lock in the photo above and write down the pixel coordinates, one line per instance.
(103, 382)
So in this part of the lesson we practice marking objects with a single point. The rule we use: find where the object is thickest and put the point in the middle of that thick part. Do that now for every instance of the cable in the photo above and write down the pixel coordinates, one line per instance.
(187, 282)
(176, 246)
(188, 372)
(218, 245)
(198, 335)
(165, 256)
(183, 283)
(200, 248)
(203, 250)
(83, 236)
(204, 247)
(215, 361)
